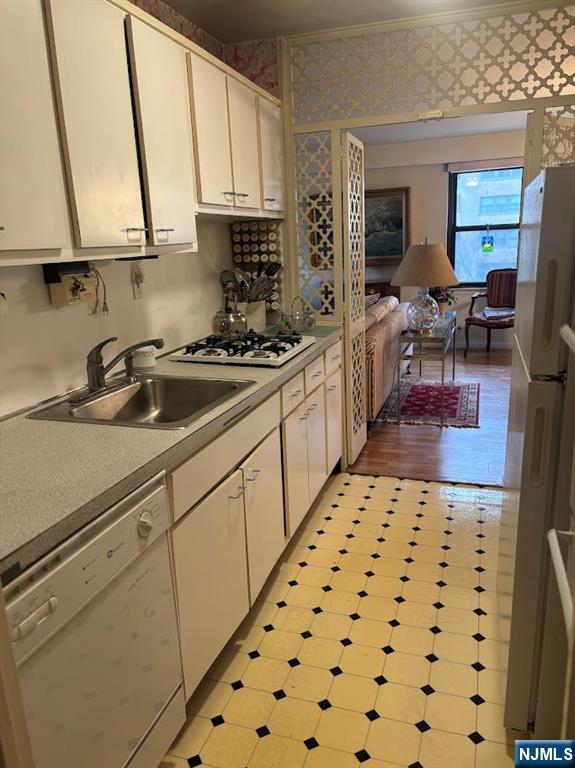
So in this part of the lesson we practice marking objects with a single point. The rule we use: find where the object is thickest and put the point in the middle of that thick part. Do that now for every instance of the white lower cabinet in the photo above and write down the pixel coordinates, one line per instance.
(333, 419)
(316, 442)
(264, 510)
(304, 459)
(295, 466)
(211, 575)
(225, 546)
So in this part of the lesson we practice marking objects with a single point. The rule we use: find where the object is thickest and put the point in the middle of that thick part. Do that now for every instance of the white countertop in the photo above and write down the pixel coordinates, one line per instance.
(55, 477)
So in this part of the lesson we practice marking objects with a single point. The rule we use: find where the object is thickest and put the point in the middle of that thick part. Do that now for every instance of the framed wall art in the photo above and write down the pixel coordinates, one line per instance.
(386, 225)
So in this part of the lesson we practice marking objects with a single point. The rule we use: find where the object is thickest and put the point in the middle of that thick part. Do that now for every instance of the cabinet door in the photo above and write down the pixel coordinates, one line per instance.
(93, 86)
(210, 566)
(333, 419)
(272, 155)
(213, 154)
(295, 466)
(316, 442)
(33, 205)
(245, 150)
(264, 510)
(165, 132)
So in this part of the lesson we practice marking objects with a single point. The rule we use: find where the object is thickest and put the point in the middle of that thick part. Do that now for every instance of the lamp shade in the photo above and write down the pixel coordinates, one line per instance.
(425, 265)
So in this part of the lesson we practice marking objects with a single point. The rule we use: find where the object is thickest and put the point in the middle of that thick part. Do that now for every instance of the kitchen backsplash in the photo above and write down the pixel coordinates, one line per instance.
(43, 349)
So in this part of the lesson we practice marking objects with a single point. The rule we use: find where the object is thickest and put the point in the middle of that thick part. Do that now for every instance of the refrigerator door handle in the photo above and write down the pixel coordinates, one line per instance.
(548, 326)
(562, 579)
(568, 336)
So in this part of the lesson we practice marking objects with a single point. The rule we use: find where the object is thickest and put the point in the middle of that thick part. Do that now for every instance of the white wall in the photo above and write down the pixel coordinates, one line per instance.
(425, 173)
(43, 349)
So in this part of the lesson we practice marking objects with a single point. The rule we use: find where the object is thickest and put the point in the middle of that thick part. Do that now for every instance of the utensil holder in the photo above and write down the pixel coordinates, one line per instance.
(255, 312)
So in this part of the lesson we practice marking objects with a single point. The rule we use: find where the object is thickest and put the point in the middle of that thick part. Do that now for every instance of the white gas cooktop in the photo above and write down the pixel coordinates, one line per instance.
(246, 349)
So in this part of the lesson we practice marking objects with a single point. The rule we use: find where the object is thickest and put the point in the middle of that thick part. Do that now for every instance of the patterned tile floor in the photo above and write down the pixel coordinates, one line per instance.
(374, 643)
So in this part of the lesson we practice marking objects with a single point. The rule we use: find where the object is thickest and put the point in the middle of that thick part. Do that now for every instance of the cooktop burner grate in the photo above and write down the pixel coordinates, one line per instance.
(250, 348)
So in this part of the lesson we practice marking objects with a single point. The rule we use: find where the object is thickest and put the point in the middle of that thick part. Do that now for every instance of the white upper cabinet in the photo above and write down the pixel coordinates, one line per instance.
(271, 155)
(243, 111)
(213, 156)
(93, 85)
(160, 83)
(33, 204)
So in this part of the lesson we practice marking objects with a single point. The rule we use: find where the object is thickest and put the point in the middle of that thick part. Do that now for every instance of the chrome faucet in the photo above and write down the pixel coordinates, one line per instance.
(96, 369)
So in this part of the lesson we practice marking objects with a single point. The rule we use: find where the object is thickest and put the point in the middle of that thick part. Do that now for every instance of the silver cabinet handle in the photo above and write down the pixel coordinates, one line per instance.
(331, 388)
(254, 477)
(336, 357)
(136, 229)
(240, 492)
(269, 199)
(296, 393)
(313, 406)
(304, 417)
(228, 195)
(165, 229)
(242, 195)
(316, 374)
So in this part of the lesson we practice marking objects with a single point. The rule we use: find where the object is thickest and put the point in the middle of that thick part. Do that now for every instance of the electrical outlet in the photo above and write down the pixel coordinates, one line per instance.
(74, 289)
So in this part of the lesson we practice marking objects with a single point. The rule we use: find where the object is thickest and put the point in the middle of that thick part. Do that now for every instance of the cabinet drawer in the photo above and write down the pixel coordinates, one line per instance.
(292, 394)
(314, 374)
(333, 358)
(192, 480)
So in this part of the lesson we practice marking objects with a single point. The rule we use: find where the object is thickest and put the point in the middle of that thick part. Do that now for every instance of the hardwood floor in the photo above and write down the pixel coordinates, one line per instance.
(456, 455)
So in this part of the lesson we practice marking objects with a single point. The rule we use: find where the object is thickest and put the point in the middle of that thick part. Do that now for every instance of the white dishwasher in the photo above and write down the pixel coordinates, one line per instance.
(95, 638)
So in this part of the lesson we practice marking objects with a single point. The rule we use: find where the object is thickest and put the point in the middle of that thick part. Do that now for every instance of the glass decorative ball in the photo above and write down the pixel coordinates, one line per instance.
(423, 311)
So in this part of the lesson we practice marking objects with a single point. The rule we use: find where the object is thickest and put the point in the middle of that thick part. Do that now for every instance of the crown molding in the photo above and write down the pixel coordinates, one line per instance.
(425, 20)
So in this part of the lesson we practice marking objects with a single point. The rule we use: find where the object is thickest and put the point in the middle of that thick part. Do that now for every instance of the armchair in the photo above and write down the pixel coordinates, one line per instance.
(499, 312)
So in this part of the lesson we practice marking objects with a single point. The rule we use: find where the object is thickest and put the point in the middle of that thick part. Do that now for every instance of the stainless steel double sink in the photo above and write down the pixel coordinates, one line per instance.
(154, 401)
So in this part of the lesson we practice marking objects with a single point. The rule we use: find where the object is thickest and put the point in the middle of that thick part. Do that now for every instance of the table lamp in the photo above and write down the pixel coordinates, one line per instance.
(425, 265)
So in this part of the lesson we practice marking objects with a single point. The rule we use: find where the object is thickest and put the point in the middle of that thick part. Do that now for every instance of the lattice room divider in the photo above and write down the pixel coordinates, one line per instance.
(354, 294)
(434, 66)
(315, 240)
(558, 145)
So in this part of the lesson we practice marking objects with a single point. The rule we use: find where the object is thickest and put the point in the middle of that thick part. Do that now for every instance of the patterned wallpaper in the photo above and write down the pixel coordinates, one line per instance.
(488, 60)
(256, 59)
(175, 20)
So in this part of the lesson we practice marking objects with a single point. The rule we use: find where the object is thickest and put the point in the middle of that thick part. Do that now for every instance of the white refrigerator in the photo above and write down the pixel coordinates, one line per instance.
(540, 434)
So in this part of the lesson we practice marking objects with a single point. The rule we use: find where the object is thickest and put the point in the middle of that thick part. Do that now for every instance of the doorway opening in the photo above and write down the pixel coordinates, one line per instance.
(457, 183)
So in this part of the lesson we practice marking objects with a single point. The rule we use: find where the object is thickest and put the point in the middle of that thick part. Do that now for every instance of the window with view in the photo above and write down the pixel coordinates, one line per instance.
(483, 224)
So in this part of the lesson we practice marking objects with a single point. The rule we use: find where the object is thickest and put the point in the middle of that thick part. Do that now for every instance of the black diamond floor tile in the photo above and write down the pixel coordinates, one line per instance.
(311, 743)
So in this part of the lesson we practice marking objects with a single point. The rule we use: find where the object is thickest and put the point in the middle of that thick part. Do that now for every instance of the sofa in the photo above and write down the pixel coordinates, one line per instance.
(384, 320)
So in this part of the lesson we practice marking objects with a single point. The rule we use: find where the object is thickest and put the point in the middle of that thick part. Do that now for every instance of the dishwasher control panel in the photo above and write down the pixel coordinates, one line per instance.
(38, 610)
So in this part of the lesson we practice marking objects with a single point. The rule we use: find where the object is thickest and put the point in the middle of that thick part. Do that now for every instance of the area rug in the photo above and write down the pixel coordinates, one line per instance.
(421, 404)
